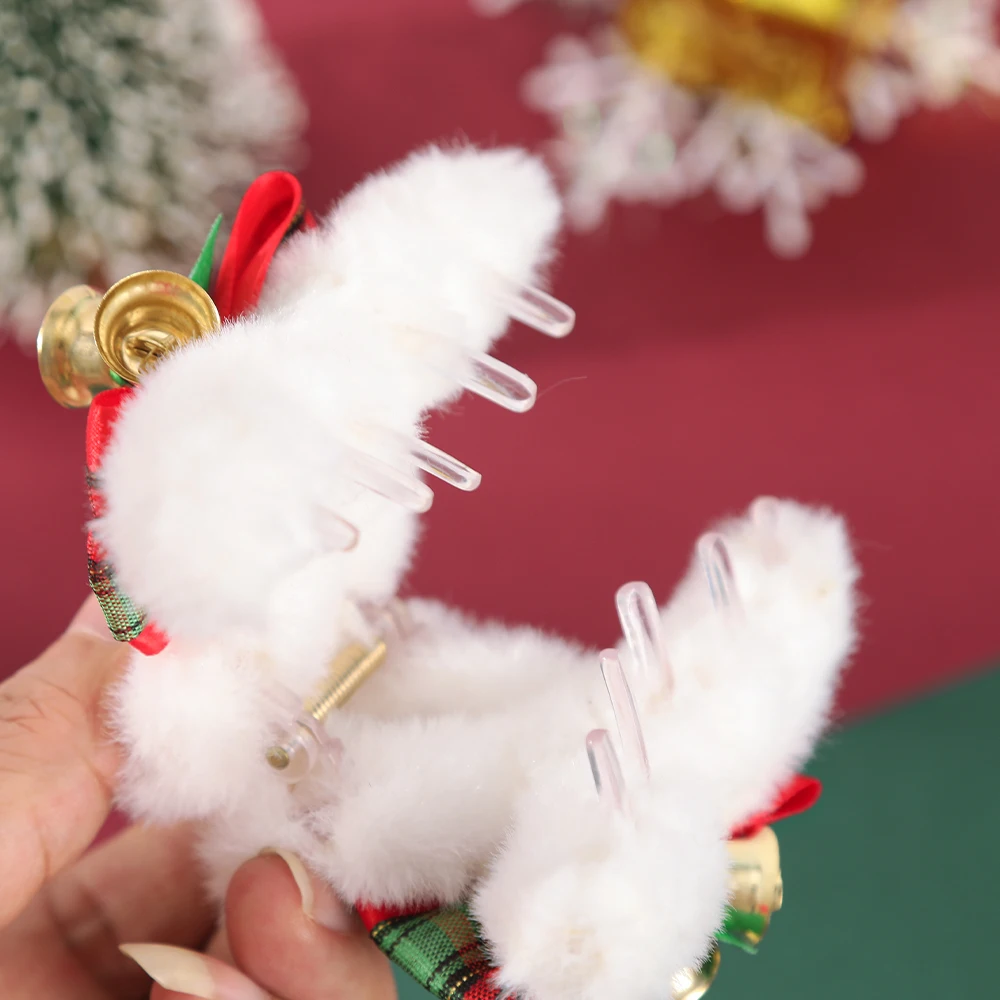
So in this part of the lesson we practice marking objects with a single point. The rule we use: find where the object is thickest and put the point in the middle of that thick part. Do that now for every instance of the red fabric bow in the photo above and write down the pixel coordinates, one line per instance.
(271, 210)
(800, 794)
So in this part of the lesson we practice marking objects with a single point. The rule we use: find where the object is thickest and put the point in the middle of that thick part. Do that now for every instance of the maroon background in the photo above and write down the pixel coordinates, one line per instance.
(702, 371)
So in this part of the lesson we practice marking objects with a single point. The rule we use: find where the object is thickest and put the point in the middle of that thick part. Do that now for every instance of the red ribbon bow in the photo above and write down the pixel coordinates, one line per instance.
(800, 794)
(271, 210)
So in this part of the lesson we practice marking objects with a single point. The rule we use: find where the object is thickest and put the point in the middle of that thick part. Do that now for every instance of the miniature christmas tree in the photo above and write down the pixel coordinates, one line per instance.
(124, 125)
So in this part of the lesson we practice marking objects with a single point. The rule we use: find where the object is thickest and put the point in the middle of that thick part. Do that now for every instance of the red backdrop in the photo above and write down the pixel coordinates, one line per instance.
(702, 371)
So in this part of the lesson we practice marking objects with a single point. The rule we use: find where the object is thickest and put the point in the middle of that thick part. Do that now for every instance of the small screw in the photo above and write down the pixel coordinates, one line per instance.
(352, 666)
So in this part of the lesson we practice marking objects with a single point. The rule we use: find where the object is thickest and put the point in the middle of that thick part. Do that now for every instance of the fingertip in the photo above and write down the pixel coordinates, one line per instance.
(319, 901)
(183, 973)
(290, 953)
(263, 898)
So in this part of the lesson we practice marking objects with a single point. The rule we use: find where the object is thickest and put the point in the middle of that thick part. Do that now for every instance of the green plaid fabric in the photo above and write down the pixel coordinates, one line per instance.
(442, 951)
(124, 619)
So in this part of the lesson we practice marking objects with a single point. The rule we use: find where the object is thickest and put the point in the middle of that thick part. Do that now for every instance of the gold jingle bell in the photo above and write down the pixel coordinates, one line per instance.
(88, 343)
(692, 984)
(755, 873)
(755, 887)
(71, 367)
(146, 315)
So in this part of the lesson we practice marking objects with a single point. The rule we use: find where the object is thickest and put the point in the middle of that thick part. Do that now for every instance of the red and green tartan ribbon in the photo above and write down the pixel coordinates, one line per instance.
(271, 210)
(124, 619)
(442, 948)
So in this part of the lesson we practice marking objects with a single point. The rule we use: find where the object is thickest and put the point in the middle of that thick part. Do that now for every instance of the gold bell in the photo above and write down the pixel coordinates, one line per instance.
(692, 984)
(755, 886)
(147, 315)
(88, 343)
(755, 873)
(70, 364)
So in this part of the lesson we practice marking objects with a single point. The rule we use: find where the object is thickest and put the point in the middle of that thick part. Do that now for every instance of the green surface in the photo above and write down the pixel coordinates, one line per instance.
(889, 880)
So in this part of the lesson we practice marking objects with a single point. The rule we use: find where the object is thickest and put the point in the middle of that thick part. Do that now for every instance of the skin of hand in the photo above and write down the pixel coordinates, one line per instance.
(83, 924)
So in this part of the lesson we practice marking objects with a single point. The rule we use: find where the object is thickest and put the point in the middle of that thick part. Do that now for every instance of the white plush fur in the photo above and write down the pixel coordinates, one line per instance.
(430, 243)
(234, 450)
(753, 690)
(481, 702)
(428, 248)
(585, 903)
(461, 769)
(192, 723)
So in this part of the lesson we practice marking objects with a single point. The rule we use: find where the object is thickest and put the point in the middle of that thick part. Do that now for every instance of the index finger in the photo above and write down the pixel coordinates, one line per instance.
(57, 764)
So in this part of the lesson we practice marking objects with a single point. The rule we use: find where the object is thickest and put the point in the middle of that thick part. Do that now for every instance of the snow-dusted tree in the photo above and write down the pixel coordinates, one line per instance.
(125, 125)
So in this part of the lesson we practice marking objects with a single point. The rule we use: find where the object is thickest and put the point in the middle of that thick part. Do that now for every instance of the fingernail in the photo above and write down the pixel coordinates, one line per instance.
(90, 620)
(319, 902)
(184, 971)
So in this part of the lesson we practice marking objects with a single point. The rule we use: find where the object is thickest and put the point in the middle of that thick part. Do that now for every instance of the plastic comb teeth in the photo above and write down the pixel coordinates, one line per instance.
(713, 553)
(539, 310)
(392, 468)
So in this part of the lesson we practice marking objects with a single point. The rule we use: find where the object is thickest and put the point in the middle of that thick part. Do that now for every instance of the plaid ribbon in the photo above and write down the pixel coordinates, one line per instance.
(442, 950)
(124, 619)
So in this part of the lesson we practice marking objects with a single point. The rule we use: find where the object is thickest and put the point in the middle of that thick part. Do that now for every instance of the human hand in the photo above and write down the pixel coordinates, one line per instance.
(65, 912)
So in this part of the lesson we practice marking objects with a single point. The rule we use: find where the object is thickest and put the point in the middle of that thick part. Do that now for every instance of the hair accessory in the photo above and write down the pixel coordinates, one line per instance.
(255, 501)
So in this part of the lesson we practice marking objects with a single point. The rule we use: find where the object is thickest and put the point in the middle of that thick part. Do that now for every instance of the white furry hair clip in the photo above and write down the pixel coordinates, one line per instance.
(256, 484)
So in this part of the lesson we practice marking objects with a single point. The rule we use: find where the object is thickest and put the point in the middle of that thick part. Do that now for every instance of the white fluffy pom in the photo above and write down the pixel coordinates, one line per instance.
(753, 688)
(583, 904)
(191, 723)
(223, 472)
(413, 816)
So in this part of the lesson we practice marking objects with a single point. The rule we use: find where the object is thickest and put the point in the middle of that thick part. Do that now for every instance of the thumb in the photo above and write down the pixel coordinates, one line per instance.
(289, 932)
(57, 764)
